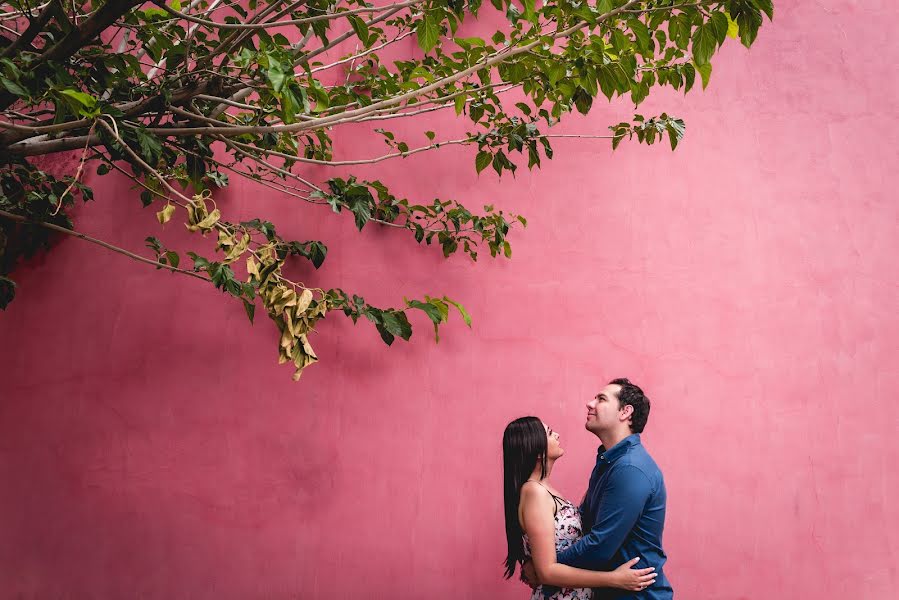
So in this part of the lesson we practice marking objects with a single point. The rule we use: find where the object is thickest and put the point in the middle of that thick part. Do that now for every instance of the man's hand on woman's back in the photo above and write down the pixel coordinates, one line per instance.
(529, 574)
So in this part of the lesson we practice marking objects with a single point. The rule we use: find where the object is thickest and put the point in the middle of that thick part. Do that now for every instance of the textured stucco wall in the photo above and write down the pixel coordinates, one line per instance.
(151, 447)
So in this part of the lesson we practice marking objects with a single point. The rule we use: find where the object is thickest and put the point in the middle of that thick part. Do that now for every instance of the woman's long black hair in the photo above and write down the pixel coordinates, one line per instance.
(524, 445)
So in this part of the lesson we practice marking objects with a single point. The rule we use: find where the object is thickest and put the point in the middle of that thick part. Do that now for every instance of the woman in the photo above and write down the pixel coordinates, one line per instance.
(539, 522)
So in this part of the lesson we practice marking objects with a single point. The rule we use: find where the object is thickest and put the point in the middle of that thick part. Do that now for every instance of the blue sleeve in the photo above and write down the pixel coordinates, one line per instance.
(623, 500)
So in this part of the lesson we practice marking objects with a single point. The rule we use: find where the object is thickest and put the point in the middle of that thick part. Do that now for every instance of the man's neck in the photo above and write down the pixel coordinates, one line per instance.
(610, 439)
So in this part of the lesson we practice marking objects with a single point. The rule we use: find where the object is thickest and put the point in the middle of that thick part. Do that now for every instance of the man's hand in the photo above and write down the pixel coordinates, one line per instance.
(529, 574)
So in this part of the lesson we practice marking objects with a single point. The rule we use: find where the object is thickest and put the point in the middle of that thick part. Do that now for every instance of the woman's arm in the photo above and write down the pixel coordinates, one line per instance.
(537, 520)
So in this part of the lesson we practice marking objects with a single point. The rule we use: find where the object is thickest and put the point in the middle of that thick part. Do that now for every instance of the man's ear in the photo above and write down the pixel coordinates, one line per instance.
(626, 412)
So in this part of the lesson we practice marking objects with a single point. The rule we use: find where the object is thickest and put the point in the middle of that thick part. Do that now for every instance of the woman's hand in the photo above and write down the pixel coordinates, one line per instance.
(634, 580)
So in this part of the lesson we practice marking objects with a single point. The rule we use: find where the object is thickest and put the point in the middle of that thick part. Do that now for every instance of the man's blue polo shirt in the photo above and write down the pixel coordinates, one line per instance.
(624, 511)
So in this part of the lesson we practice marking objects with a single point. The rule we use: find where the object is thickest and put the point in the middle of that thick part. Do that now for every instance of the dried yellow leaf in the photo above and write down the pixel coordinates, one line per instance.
(252, 267)
(286, 338)
(304, 301)
(210, 221)
(307, 348)
(226, 240)
(237, 251)
(165, 214)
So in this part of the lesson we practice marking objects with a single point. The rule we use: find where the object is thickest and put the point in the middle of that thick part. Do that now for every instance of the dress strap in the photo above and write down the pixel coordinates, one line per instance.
(557, 501)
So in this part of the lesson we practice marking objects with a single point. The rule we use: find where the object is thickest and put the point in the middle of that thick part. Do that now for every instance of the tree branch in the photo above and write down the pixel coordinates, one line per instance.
(267, 24)
(322, 122)
(105, 16)
(33, 30)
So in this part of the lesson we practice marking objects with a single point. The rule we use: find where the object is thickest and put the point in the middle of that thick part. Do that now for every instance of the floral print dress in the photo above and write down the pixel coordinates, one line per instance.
(568, 530)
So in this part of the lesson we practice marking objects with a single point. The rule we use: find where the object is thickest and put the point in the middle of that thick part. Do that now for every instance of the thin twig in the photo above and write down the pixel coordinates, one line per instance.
(78, 172)
(361, 54)
(107, 245)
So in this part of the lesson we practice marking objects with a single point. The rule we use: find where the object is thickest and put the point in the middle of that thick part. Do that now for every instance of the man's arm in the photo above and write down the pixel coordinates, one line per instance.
(623, 501)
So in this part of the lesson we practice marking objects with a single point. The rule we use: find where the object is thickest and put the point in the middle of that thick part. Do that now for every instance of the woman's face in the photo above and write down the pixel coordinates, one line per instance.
(553, 447)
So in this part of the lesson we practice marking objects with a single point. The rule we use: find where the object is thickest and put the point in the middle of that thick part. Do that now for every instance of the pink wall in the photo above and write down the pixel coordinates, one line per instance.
(151, 447)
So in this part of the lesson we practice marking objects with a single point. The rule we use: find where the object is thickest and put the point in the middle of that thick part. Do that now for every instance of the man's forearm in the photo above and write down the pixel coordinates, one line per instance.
(587, 553)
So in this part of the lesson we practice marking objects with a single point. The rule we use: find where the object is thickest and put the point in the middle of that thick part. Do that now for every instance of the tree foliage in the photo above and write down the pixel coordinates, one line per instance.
(181, 97)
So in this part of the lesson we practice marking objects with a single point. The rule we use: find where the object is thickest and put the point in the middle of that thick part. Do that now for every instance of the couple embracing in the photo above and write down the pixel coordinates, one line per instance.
(613, 542)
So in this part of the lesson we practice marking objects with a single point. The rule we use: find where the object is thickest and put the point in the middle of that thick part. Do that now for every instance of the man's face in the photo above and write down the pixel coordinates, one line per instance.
(603, 413)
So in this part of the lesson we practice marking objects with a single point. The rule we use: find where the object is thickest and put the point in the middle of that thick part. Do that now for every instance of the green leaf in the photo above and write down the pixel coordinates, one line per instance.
(276, 76)
(533, 155)
(429, 309)
(639, 92)
(556, 72)
(428, 31)
(405, 326)
(13, 87)
(385, 335)
(442, 307)
(583, 101)
(528, 9)
(767, 6)
(676, 129)
(482, 160)
(679, 30)
(704, 44)
(317, 253)
(154, 13)
(465, 316)
(153, 244)
(430, 135)
(748, 19)
(173, 258)
(689, 76)
(460, 103)
(360, 28)
(472, 42)
(719, 23)
(547, 148)
(641, 35)
(250, 309)
(394, 325)
(150, 146)
(86, 100)
(362, 212)
(705, 71)
(218, 178)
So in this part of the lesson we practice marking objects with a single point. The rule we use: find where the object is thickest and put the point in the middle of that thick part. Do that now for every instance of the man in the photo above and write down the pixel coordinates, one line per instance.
(624, 509)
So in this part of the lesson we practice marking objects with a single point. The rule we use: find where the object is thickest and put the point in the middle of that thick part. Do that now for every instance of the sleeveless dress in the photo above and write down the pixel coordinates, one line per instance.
(568, 530)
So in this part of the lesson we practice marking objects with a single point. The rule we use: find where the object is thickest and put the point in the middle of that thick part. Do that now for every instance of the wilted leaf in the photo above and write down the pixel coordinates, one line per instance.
(165, 215)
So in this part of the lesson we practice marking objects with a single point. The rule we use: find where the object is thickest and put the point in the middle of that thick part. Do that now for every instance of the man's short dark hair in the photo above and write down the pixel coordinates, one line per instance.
(633, 395)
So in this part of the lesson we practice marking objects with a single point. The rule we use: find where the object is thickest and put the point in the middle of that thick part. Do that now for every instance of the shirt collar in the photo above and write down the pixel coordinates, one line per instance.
(619, 449)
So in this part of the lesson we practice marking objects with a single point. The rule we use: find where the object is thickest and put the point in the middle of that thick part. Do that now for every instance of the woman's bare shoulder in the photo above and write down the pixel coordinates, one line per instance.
(532, 491)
